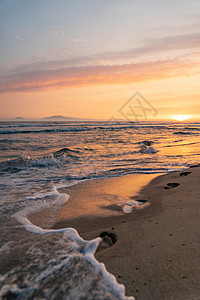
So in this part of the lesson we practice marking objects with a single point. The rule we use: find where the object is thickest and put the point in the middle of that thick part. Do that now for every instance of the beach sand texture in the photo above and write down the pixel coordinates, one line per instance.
(154, 252)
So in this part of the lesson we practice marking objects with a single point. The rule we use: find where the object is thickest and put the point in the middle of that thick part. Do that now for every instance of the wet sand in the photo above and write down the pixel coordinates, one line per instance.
(99, 202)
(154, 252)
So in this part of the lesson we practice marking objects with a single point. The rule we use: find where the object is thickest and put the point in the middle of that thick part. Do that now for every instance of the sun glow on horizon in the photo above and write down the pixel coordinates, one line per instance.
(181, 117)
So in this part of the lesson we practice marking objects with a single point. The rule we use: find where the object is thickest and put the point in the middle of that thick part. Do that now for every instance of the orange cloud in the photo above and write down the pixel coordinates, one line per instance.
(95, 75)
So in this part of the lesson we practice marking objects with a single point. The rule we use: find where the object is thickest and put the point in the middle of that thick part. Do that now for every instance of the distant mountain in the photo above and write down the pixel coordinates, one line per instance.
(18, 119)
(61, 118)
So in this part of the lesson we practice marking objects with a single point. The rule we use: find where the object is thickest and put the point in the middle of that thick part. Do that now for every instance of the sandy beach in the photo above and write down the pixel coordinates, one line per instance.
(155, 251)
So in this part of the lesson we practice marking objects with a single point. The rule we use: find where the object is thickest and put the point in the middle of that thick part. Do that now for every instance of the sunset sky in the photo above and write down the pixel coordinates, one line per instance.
(86, 58)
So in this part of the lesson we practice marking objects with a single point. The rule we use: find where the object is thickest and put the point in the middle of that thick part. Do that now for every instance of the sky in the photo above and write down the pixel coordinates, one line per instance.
(93, 59)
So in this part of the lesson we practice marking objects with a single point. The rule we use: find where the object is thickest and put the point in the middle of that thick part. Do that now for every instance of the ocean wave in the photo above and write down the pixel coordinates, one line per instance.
(192, 128)
(68, 151)
(60, 130)
(53, 124)
(182, 144)
(58, 159)
(55, 130)
(59, 124)
(43, 128)
(99, 125)
(135, 170)
(183, 132)
(29, 125)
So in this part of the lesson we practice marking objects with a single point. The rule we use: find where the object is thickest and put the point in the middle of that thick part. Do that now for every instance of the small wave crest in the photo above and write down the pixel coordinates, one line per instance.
(148, 150)
(53, 130)
(24, 162)
(68, 151)
(56, 159)
(183, 132)
(192, 128)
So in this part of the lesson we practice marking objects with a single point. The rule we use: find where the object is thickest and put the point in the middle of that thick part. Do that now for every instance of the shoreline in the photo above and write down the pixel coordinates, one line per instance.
(97, 202)
(155, 253)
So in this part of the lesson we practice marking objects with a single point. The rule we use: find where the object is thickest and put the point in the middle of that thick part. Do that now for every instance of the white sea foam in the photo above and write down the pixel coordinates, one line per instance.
(148, 150)
(61, 197)
(131, 205)
(52, 199)
(62, 185)
(89, 249)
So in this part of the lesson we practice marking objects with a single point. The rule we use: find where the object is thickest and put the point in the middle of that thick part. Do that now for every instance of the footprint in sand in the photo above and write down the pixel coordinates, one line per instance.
(185, 173)
(108, 240)
(171, 185)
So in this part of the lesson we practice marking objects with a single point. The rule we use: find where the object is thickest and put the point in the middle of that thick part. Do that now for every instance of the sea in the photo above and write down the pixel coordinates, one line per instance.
(39, 159)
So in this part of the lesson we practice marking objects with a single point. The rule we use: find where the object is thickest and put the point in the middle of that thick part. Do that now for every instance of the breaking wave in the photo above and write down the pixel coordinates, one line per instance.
(56, 159)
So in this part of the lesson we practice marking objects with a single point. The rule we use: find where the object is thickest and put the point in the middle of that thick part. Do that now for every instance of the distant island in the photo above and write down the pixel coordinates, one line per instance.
(60, 118)
(18, 119)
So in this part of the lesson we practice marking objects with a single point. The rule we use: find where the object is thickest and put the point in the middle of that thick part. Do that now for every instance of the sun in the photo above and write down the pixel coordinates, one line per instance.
(181, 117)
